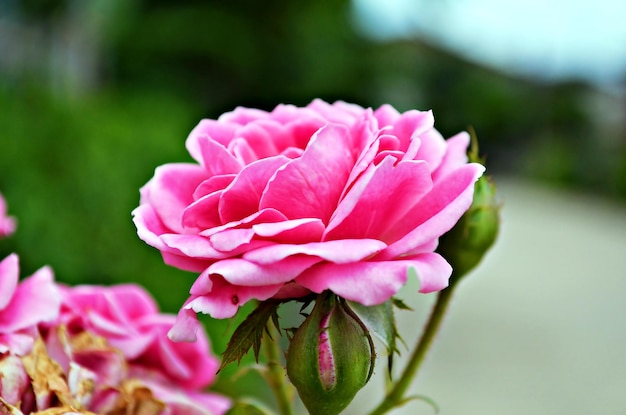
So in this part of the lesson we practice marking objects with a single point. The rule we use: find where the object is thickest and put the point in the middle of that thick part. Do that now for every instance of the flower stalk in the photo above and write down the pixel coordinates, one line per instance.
(275, 374)
(396, 394)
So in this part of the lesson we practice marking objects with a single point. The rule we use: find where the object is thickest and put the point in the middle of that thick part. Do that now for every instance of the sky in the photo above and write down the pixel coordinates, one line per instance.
(548, 39)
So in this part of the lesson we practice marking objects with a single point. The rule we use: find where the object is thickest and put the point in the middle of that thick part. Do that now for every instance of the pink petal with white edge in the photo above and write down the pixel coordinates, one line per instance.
(455, 156)
(36, 300)
(195, 246)
(202, 213)
(221, 132)
(243, 115)
(310, 187)
(386, 115)
(432, 149)
(243, 195)
(263, 216)
(436, 213)
(217, 159)
(372, 283)
(242, 151)
(411, 124)
(171, 191)
(368, 283)
(149, 226)
(291, 231)
(338, 251)
(302, 128)
(224, 298)
(263, 137)
(17, 343)
(231, 239)
(184, 262)
(9, 275)
(185, 327)
(242, 272)
(381, 197)
(213, 184)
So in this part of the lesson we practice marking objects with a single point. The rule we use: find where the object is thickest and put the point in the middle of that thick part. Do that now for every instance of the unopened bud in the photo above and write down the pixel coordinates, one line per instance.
(330, 357)
(467, 242)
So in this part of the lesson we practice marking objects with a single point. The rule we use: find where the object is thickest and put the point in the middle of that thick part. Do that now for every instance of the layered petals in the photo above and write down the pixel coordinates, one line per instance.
(128, 318)
(330, 196)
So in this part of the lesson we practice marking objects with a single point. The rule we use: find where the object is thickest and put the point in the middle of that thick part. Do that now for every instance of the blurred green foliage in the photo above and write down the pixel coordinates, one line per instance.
(78, 138)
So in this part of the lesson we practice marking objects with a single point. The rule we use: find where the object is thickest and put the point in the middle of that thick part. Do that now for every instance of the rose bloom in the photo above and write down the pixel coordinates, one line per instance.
(7, 223)
(128, 318)
(298, 200)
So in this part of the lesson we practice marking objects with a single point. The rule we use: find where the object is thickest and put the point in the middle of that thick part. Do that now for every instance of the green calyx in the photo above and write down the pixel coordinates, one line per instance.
(330, 357)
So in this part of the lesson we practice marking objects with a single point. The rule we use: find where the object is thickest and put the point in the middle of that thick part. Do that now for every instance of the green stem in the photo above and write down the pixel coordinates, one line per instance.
(276, 376)
(396, 394)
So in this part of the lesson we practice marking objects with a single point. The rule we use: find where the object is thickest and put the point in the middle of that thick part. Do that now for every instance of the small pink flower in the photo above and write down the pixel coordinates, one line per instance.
(129, 319)
(298, 200)
(24, 305)
(7, 223)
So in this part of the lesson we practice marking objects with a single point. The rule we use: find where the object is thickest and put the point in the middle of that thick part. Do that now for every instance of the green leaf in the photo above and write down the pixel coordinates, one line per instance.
(249, 333)
(380, 320)
(401, 304)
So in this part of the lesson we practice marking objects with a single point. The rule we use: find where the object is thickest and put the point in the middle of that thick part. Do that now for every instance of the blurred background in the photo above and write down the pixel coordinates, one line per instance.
(95, 94)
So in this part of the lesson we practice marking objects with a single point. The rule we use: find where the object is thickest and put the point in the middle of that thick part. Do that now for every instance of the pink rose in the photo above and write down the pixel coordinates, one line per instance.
(129, 319)
(7, 223)
(298, 200)
(24, 305)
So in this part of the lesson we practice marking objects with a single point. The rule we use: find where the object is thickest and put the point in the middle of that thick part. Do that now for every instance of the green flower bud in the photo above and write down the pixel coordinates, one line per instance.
(467, 242)
(331, 356)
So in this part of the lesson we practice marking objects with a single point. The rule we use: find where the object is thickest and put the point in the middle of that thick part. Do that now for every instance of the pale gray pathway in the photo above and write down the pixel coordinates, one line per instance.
(540, 327)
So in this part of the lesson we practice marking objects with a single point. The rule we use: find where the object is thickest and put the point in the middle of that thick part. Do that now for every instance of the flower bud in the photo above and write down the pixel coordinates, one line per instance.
(331, 357)
(468, 241)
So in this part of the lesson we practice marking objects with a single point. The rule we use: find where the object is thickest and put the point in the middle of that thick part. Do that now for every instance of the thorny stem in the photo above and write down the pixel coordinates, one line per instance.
(395, 395)
(276, 376)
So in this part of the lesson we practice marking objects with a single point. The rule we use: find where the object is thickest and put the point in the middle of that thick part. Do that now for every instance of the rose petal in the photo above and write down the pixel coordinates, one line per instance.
(213, 184)
(242, 272)
(217, 160)
(412, 124)
(291, 231)
(339, 251)
(381, 197)
(437, 212)
(243, 195)
(221, 132)
(372, 283)
(185, 327)
(171, 191)
(455, 155)
(9, 275)
(149, 225)
(203, 213)
(36, 300)
(310, 187)
(224, 298)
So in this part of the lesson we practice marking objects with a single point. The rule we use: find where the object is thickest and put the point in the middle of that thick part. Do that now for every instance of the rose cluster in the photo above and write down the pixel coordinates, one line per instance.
(94, 349)
(300, 200)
